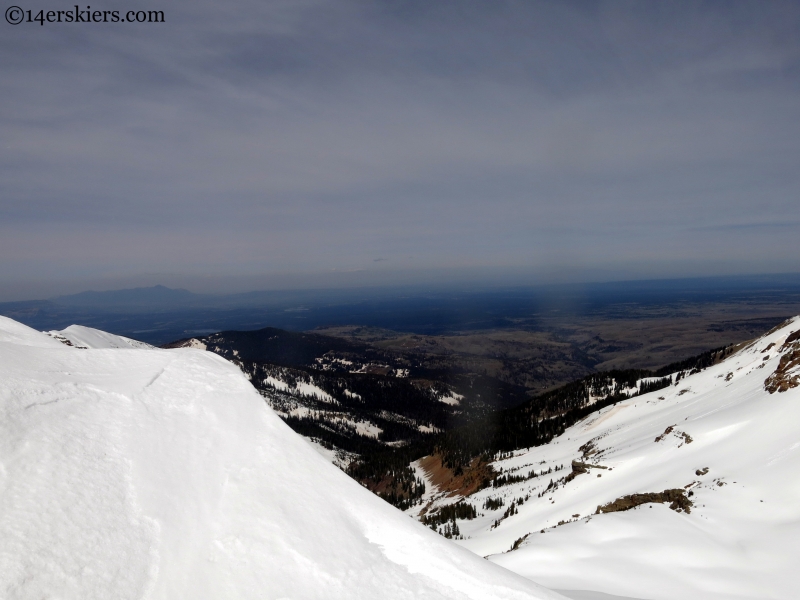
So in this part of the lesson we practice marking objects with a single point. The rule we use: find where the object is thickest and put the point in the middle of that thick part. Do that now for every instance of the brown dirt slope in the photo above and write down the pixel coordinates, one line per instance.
(475, 477)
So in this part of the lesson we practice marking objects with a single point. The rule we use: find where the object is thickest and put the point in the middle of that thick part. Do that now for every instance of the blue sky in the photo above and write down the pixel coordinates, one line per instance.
(248, 145)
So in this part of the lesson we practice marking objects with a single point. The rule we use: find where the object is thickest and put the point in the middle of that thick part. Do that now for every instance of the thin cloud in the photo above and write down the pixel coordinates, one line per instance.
(272, 137)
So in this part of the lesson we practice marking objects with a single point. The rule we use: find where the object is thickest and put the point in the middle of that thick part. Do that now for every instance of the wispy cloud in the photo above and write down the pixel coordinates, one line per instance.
(756, 227)
(303, 136)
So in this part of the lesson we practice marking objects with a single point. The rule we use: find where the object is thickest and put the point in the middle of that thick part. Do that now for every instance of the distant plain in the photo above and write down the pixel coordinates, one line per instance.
(537, 337)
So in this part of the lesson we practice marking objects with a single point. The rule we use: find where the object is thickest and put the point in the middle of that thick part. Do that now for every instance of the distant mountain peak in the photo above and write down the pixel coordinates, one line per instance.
(151, 297)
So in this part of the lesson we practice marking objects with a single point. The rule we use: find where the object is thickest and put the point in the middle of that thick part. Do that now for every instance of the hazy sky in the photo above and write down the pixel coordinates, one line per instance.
(297, 142)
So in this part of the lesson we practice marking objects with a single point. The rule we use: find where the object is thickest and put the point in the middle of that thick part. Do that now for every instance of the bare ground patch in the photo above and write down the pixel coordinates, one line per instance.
(475, 477)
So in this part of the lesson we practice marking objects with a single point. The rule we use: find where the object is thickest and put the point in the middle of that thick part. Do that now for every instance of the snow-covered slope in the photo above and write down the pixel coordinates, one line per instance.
(87, 337)
(14, 333)
(726, 439)
(162, 474)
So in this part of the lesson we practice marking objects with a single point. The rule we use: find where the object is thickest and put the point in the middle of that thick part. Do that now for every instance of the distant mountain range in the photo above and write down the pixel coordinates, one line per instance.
(158, 297)
(158, 314)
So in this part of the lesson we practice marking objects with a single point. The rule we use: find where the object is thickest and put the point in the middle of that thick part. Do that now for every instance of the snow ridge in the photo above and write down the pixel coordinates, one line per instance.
(163, 474)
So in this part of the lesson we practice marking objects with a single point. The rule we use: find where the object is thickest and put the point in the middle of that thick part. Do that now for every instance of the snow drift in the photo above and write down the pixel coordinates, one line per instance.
(132, 473)
(86, 337)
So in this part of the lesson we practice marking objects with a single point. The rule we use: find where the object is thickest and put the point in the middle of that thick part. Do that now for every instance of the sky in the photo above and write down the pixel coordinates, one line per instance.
(248, 145)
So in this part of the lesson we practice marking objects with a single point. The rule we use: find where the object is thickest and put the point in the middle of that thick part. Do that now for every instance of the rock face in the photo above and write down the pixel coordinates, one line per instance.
(676, 497)
(579, 468)
(787, 375)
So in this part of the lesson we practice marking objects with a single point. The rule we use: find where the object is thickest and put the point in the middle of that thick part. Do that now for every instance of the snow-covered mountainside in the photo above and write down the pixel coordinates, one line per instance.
(86, 337)
(692, 491)
(147, 473)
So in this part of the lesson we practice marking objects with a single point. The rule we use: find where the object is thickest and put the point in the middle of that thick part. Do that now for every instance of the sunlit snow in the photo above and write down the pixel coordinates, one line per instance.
(741, 539)
(87, 337)
(162, 474)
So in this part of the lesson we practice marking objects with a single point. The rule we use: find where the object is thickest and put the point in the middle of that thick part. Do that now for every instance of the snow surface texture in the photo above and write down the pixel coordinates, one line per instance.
(146, 473)
(742, 537)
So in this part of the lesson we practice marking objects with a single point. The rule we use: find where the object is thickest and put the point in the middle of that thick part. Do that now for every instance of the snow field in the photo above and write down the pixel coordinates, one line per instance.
(301, 388)
(452, 399)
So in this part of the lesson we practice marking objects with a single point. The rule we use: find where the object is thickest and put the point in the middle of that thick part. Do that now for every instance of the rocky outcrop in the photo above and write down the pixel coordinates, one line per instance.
(580, 467)
(676, 497)
(787, 375)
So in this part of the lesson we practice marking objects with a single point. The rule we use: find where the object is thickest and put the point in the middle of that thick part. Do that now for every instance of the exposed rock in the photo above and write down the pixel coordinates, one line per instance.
(795, 337)
(676, 497)
(787, 375)
(588, 449)
(580, 467)
(680, 434)
(667, 431)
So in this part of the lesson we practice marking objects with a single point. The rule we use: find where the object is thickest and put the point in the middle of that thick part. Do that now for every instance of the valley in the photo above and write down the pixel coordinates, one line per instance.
(535, 445)
(373, 408)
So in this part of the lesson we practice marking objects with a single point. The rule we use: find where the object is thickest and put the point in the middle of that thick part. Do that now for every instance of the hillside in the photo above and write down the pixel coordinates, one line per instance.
(373, 412)
(276, 346)
(689, 491)
(353, 400)
(148, 473)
